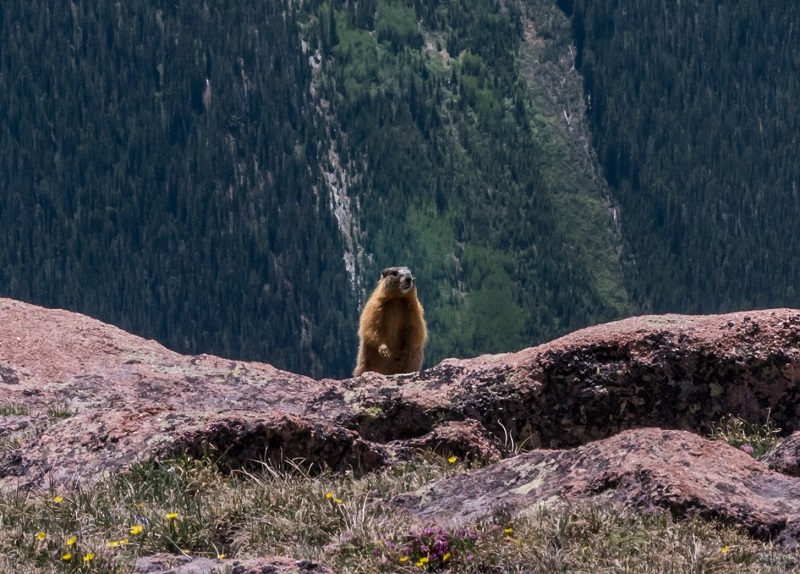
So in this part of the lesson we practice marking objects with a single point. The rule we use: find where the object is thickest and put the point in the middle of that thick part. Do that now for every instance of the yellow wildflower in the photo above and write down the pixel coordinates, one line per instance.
(88, 557)
(136, 529)
(338, 500)
(452, 459)
(328, 495)
(40, 535)
(171, 515)
(725, 549)
(67, 557)
(115, 543)
(404, 559)
(221, 556)
(71, 541)
(446, 557)
(508, 530)
(58, 499)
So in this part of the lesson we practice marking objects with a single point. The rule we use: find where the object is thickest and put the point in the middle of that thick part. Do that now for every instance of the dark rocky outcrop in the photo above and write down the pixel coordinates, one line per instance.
(83, 398)
(785, 457)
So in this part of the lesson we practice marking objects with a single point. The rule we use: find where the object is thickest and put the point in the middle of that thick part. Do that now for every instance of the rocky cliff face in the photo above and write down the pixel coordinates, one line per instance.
(605, 409)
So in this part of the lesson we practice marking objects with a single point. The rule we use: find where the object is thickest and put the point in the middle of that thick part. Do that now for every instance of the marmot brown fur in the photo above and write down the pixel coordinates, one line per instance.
(392, 332)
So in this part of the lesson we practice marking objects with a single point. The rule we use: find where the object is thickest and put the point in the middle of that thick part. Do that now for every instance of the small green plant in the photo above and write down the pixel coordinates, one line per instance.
(435, 548)
(753, 438)
(13, 409)
(60, 410)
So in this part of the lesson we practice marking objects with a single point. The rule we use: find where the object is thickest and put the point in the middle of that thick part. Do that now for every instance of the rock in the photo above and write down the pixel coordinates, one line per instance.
(171, 564)
(647, 470)
(96, 398)
(464, 439)
(667, 371)
(785, 457)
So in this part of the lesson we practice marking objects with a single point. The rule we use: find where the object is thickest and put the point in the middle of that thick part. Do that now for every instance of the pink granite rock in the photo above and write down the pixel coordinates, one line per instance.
(171, 564)
(81, 398)
(785, 457)
(646, 470)
(85, 398)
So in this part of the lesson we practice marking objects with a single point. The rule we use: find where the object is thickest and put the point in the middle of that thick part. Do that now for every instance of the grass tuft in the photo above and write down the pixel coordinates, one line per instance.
(753, 438)
(60, 410)
(12, 409)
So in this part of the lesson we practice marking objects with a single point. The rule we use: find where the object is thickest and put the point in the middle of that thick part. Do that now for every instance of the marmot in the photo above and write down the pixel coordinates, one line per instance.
(392, 332)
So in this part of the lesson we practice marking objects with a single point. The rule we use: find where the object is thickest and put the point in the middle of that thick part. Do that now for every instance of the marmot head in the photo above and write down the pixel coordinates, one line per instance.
(397, 281)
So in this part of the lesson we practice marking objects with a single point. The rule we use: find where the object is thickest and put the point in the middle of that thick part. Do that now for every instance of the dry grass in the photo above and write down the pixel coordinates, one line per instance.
(190, 506)
(12, 409)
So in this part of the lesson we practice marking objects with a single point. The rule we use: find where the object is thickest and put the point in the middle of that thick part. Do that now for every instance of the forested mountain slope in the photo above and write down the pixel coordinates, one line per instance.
(130, 196)
(695, 115)
(229, 177)
(461, 167)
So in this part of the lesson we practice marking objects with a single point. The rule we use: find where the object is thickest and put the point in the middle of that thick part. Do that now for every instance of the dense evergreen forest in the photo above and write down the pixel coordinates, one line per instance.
(229, 177)
(695, 115)
(133, 194)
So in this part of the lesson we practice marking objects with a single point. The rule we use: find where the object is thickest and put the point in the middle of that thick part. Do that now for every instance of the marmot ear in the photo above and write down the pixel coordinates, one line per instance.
(385, 272)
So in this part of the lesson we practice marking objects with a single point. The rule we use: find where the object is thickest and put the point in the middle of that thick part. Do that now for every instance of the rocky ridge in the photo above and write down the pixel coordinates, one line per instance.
(606, 410)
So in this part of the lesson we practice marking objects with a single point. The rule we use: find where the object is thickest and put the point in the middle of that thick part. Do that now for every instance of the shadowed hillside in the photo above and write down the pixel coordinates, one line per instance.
(694, 112)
